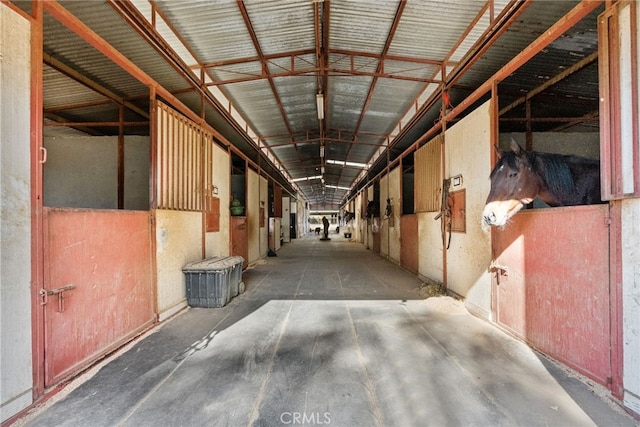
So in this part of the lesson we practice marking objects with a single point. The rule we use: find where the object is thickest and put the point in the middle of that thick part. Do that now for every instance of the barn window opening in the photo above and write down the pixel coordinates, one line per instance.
(550, 109)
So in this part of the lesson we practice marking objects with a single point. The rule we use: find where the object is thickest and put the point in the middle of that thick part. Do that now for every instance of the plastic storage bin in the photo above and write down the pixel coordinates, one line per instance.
(214, 281)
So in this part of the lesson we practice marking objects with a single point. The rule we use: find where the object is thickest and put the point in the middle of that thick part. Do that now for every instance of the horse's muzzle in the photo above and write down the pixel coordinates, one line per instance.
(489, 218)
(497, 213)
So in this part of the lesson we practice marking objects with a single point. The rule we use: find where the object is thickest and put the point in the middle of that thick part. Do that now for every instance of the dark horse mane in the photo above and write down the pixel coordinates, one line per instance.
(554, 170)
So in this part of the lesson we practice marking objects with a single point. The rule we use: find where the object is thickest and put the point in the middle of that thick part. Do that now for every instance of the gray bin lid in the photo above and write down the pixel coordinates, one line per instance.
(217, 263)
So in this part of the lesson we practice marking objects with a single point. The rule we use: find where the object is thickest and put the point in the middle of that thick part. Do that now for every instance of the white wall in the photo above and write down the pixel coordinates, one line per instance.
(178, 242)
(354, 224)
(394, 231)
(631, 302)
(581, 144)
(253, 215)
(384, 223)
(82, 172)
(286, 219)
(15, 215)
(631, 273)
(264, 202)
(302, 216)
(357, 235)
(390, 227)
(468, 152)
(429, 247)
(217, 243)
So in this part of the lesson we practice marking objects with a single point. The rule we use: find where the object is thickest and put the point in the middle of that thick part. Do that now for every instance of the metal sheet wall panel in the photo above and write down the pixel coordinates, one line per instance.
(555, 294)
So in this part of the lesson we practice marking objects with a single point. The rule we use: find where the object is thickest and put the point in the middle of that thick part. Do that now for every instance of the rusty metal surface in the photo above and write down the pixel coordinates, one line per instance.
(106, 256)
(554, 292)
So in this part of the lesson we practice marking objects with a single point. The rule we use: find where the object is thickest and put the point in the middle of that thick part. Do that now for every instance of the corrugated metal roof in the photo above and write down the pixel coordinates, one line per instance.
(373, 61)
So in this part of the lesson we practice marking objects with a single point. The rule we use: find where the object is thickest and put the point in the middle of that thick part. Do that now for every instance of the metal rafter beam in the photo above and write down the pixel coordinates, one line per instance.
(552, 81)
(316, 71)
(571, 18)
(321, 22)
(379, 70)
(70, 72)
(264, 66)
(321, 67)
(345, 52)
(60, 119)
(497, 26)
(318, 139)
(263, 62)
(147, 31)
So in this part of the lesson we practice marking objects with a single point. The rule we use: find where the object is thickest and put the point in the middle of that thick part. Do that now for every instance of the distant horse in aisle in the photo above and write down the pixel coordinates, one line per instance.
(558, 180)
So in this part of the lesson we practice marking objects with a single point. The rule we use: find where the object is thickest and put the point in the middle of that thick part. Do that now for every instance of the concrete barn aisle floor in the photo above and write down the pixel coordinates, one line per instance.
(328, 333)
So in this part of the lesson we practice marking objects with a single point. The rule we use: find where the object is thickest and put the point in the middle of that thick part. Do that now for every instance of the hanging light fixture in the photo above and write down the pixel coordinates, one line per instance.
(320, 105)
(322, 151)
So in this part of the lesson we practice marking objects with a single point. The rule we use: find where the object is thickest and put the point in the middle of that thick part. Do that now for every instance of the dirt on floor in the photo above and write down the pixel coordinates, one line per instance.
(431, 288)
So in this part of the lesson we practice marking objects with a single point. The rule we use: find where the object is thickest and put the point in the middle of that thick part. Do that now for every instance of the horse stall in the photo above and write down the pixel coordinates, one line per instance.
(218, 214)
(390, 215)
(551, 271)
(358, 222)
(98, 261)
(452, 247)
(187, 204)
(552, 284)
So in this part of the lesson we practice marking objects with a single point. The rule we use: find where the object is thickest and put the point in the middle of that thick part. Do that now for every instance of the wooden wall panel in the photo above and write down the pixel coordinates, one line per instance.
(184, 161)
(428, 175)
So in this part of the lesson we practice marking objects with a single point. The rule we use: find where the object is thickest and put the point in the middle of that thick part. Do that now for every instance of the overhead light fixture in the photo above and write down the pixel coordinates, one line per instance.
(322, 169)
(322, 151)
(352, 164)
(320, 105)
(306, 178)
(337, 187)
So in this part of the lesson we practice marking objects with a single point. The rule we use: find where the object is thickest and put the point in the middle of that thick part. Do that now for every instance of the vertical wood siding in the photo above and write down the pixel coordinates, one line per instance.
(184, 161)
(428, 175)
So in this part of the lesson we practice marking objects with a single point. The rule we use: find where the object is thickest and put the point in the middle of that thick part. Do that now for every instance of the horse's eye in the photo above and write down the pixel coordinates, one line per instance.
(513, 174)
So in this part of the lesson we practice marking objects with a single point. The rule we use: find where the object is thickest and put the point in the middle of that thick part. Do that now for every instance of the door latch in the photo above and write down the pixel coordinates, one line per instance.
(44, 294)
(501, 270)
(497, 268)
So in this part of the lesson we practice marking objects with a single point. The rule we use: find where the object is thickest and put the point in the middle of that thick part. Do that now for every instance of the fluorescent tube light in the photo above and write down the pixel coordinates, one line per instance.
(320, 106)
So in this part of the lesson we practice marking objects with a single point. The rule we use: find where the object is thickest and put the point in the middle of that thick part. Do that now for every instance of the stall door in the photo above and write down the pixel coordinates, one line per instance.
(552, 284)
(409, 243)
(98, 285)
(240, 238)
(292, 226)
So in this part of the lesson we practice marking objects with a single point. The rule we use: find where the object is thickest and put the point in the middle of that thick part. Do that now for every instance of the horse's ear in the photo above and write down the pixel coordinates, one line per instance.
(499, 151)
(515, 147)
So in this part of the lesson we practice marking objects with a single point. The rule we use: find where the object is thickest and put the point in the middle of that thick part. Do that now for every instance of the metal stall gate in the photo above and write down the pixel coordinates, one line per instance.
(98, 285)
(551, 286)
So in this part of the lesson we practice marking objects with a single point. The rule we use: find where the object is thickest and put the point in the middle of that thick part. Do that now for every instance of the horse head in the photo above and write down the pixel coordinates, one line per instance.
(514, 183)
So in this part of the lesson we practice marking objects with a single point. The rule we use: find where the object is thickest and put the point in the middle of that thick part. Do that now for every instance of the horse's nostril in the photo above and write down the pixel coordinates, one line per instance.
(490, 218)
